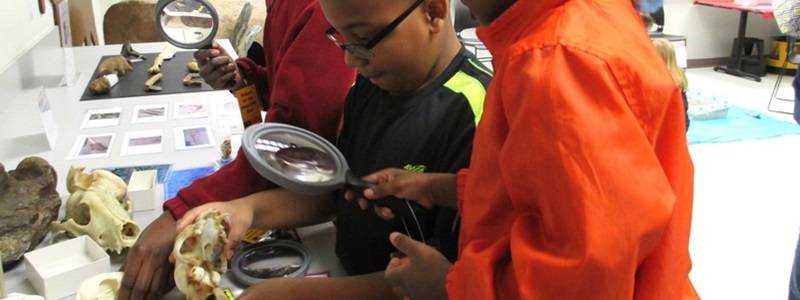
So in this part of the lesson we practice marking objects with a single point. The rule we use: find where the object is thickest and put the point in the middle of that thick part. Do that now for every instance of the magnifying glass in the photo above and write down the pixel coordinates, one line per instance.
(188, 24)
(304, 162)
(270, 259)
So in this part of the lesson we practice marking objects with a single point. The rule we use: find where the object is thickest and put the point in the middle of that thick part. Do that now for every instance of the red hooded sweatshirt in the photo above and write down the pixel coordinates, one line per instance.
(304, 84)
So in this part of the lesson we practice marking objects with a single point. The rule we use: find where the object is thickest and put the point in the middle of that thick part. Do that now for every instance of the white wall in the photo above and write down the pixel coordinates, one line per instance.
(710, 31)
(21, 27)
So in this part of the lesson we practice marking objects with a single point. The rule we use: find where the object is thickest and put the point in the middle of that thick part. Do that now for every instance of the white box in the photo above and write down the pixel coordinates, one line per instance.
(31, 126)
(142, 190)
(56, 271)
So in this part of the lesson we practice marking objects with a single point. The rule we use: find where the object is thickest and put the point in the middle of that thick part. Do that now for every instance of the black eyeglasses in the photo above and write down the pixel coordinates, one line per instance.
(364, 51)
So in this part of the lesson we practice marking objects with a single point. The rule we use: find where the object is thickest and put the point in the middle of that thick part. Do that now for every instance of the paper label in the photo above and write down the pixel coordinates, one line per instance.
(253, 235)
(249, 105)
(228, 294)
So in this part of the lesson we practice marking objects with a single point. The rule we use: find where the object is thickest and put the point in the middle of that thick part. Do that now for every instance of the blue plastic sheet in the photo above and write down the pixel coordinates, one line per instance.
(179, 179)
(740, 124)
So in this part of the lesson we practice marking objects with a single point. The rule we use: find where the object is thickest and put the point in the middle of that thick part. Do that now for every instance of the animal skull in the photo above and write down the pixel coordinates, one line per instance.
(100, 287)
(99, 208)
(102, 180)
(199, 262)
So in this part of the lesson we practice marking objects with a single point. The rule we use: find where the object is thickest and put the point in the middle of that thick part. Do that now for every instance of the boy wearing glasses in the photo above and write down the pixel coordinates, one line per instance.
(415, 105)
(580, 184)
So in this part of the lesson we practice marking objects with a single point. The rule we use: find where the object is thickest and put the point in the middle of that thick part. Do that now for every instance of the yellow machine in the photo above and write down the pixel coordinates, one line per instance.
(778, 54)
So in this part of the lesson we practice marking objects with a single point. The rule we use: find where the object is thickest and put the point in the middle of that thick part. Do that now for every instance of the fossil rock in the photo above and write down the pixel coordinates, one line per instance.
(103, 84)
(166, 54)
(240, 27)
(192, 79)
(115, 64)
(28, 203)
(152, 83)
(130, 54)
(100, 86)
(225, 149)
(193, 67)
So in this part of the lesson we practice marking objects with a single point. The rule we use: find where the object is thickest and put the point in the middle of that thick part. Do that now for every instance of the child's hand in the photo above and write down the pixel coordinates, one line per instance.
(238, 220)
(426, 189)
(217, 68)
(401, 184)
(420, 274)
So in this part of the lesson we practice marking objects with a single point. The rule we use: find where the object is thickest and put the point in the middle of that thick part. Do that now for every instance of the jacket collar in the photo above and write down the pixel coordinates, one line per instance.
(514, 24)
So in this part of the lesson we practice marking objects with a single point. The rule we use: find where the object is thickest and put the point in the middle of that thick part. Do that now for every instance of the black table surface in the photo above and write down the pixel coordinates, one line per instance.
(132, 84)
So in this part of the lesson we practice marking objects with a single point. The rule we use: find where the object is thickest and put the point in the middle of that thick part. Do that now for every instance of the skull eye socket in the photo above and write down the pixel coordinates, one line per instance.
(188, 245)
(130, 230)
(83, 216)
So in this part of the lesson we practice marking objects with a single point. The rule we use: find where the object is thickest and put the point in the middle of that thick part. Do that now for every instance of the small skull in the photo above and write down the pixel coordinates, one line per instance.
(100, 287)
(199, 262)
(99, 208)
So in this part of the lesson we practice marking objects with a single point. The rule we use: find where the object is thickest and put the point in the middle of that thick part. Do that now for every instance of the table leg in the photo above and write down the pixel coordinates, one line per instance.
(734, 66)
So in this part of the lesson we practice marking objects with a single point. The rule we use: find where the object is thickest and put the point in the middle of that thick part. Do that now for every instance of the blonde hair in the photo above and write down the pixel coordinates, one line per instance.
(667, 52)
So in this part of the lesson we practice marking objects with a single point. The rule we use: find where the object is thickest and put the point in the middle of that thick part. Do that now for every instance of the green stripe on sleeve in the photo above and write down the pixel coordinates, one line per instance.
(472, 89)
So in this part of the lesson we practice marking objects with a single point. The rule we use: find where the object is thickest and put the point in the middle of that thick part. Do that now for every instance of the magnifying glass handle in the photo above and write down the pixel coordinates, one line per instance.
(357, 186)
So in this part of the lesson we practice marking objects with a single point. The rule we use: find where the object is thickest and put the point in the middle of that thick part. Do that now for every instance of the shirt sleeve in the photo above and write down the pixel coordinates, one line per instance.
(591, 197)
(309, 88)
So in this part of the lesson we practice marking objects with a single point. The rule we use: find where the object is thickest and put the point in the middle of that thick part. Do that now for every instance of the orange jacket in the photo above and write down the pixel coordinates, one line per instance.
(580, 184)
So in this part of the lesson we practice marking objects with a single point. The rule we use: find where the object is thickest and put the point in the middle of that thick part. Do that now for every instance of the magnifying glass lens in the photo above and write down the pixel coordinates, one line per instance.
(187, 21)
(296, 158)
(278, 262)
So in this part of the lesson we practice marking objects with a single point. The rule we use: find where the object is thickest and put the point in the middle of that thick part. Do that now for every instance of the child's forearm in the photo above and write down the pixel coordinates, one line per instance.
(280, 208)
(369, 286)
(442, 187)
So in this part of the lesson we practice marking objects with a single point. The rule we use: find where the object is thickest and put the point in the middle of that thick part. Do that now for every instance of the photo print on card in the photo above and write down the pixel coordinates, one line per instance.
(92, 146)
(106, 117)
(149, 113)
(143, 142)
(191, 110)
(193, 137)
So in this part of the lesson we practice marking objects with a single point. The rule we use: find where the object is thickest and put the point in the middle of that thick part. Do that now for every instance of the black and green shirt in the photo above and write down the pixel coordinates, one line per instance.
(430, 130)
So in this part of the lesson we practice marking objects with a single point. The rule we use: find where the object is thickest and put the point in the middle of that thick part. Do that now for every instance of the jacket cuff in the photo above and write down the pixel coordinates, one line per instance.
(176, 207)
(247, 67)
(252, 73)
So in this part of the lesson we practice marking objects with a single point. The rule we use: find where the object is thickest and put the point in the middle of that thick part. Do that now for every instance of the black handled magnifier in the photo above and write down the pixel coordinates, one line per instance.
(304, 162)
(188, 24)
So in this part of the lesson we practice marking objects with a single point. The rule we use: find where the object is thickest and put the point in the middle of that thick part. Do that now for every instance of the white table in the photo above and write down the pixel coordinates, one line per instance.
(69, 113)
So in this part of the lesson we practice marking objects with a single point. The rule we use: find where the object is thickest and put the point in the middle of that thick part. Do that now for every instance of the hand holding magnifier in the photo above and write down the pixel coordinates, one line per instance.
(304, 162)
